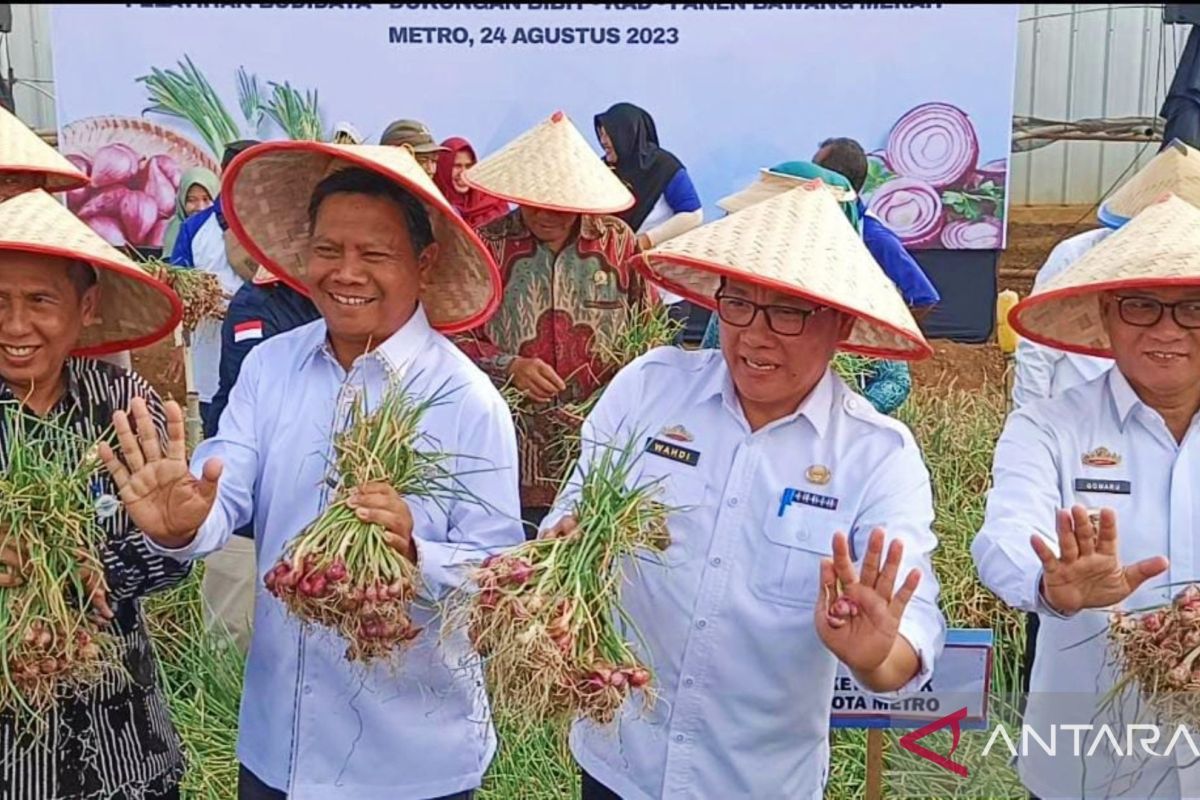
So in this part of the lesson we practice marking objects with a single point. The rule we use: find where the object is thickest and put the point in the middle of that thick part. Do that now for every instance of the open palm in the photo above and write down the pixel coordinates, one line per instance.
(160, 494)
(1087, 573)
(859, 624)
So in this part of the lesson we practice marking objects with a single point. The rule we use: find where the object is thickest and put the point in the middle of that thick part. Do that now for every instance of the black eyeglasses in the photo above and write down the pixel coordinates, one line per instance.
(784, 320)
(1145, 312)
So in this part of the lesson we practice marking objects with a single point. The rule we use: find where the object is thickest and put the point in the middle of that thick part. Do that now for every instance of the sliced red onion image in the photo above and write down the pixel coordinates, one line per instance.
(934, 142)
(985, 233)
(911, 208)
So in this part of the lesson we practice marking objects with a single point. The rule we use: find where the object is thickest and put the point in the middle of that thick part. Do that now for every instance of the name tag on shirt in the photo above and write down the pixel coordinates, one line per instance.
(797, 497)
(1102, 487)
(672, 452)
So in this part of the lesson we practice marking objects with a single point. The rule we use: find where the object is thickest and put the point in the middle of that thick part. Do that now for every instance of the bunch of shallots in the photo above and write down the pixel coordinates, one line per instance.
(1157, 650)
(546, 616)
(340, 572)
(50, 645)
(198, 290)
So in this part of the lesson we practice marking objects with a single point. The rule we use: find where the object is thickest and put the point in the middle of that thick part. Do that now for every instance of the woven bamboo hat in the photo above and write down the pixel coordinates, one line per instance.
(1159, 247)
(771, 184)
(797, 242)
(135, 309)
(26, 162)
(1176, 170)
(265, 193)
(551, 166)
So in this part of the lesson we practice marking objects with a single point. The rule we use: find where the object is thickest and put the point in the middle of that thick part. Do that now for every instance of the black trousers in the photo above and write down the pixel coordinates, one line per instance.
(251, 788)
(532, 516)
(593, 789)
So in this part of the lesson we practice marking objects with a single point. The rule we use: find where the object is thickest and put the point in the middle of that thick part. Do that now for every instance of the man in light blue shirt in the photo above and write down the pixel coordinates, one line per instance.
(1121, 452)
(355, 226)
(784, 479)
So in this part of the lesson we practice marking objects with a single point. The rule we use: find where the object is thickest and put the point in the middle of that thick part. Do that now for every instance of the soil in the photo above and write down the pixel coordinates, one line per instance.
(1033, 231)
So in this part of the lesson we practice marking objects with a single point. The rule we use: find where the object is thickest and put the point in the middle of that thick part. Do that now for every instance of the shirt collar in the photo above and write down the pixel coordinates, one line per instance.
(1125, 399)
(401, 348)
(816, 408)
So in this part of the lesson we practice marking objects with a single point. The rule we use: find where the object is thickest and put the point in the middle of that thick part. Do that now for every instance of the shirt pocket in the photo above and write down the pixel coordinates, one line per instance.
(682, 489)
(788, 553)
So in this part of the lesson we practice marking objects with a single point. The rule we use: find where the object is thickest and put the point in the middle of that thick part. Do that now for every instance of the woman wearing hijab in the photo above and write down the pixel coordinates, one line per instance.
(197, 189)
(885, 384)
(475, 207)
(667, 204)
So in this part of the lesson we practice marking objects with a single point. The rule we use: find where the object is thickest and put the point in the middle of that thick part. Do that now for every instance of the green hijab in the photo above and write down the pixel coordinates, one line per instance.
(810, 171)
(196, 176)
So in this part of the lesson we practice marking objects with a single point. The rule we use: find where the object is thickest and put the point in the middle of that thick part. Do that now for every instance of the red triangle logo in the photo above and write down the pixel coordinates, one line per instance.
(909, 742)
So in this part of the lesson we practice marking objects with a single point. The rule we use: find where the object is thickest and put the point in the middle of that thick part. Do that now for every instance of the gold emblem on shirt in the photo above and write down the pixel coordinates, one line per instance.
(600, 278)
(1101, 457)
(818, 474)
(678, 433)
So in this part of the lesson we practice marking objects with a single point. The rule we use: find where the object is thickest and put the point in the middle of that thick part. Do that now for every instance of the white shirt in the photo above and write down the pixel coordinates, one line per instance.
(1038, 462)
(312, 724)
(661, 212)
(745, 683)
(208, 254)
(1047, 371)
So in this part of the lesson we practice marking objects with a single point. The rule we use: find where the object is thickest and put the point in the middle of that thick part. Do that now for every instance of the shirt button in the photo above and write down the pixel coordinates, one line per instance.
(679, 737)
(688, 682)
(702, 624)
(307, 690)
(732, 502)
(716, 562)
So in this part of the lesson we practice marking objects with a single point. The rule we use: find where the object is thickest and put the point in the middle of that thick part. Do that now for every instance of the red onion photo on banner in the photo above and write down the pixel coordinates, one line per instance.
(930, 185)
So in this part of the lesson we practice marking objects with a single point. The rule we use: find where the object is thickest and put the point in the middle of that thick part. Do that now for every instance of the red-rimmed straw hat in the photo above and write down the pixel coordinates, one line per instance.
(135, 309)
(1160, 247)
(1176, 170)
(770, 184)
(265, 194)
(799, 243)
(551, 166)
(27, 162)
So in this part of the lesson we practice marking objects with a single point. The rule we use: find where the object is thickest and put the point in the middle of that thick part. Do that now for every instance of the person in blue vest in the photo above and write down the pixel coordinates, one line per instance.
(201, 244)
(264, 307)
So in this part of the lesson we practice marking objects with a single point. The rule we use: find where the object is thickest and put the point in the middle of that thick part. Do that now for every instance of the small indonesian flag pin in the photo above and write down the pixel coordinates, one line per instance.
(250, 329)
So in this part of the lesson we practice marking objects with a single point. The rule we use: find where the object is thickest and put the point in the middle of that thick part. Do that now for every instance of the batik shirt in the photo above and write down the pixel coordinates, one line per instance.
(559, 308)
(115, 741)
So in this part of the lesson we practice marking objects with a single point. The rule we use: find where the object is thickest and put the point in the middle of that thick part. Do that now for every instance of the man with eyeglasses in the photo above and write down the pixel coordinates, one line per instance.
(785, 484)
(1119, 452)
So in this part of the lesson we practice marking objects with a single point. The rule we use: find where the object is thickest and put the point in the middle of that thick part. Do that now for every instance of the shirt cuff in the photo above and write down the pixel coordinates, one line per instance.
(196, 548)
(1043, 607)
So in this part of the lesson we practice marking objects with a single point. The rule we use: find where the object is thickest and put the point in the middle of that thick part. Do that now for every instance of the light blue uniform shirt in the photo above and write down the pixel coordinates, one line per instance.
(311, 723)
(1048, 458)
(728, 624)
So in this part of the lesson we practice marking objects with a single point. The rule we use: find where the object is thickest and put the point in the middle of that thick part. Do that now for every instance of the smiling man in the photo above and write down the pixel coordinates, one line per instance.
(64, 294)
(387, 262)
(1118, 452)
(566, 284)
(783, 478)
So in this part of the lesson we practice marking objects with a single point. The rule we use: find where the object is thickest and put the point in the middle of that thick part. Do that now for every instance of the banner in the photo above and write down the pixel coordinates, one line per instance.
(148, 90)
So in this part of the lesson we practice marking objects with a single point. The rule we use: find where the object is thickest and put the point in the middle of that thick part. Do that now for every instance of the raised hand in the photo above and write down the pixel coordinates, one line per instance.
(860, 623)
(1087, 572)
(160, 494)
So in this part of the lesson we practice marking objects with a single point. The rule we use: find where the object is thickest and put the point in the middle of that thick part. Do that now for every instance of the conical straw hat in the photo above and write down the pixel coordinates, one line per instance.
(1176, 170)
(1159, 247)
(23, 154)
(798, 242)
(265, 193)
(135, 309)
(551, 166)
(771, 184)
